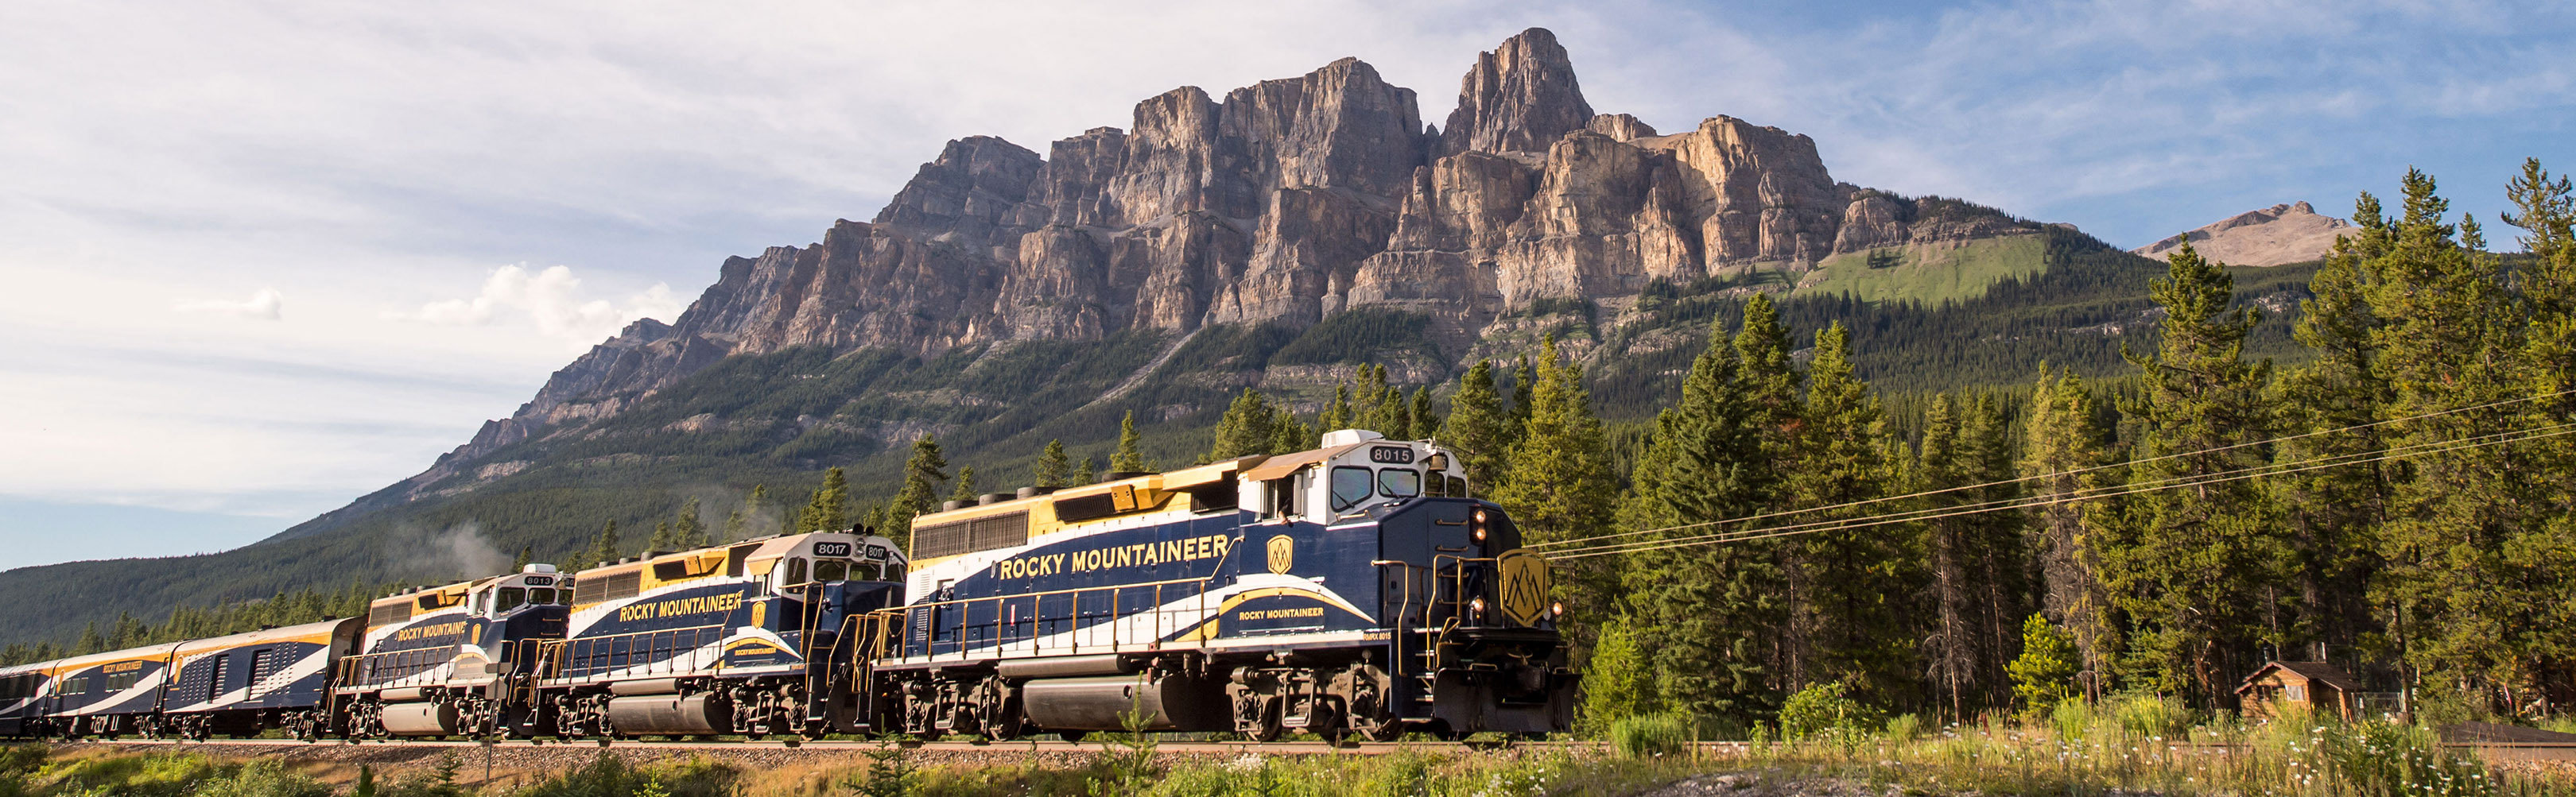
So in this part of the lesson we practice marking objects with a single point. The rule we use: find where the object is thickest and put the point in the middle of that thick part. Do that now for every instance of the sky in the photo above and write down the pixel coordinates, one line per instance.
(263, 258)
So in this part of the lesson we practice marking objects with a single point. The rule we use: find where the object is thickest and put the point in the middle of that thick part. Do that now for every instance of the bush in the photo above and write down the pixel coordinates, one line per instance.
(610, 776)
(1904, 727)
(262, 779)
(1825, 710)
(2152, 715)
(1650, 736)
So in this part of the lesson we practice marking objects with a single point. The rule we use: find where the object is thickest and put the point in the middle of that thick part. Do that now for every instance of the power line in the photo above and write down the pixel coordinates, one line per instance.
(2056, 474)
(2125, 489)
(1746, 535)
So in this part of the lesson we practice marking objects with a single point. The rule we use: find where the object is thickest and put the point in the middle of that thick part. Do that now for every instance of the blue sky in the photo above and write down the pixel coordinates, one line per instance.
(268, 257)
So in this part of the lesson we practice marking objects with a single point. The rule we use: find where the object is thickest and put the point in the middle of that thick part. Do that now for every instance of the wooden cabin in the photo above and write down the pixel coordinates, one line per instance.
(2283, 687)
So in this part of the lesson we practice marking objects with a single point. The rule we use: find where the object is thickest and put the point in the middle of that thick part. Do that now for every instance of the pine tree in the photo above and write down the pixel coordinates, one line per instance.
(1425, 422)
(1706, 611)
(1618, 680)
(604, 547)
(661, 539)
(1287, 434)
(2062, 447)
(1478, 428)
(1246, 428)
(2545, 211)
(687, 531)
(1561, 486)
(1127, 457)
(2333, 515)
(527, 553)
(1053, 469)
(1524, 379)
(1973, 560)
(2199, 569)
(1998, 554)
(2044, 674)
(922, 474)
(1337, 415)
(965, 492)
(1951, 648)
(2448, 339)
(1087, 473)
(90, 641)
(1846, 622)
(828, 508)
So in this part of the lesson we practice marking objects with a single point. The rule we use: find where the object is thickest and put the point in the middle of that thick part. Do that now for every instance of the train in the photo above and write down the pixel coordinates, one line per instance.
(1355, 590)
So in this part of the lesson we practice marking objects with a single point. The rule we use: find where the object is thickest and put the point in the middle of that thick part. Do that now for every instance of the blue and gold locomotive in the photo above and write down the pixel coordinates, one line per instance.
(1354, 589)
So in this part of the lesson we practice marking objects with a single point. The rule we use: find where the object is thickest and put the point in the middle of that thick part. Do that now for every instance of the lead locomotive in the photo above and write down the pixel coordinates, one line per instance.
(1351, 589)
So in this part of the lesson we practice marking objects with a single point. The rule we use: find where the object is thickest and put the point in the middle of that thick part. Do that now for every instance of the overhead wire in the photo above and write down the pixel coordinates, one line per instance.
(2055, 474)
(2125, 489)
(1747, 535)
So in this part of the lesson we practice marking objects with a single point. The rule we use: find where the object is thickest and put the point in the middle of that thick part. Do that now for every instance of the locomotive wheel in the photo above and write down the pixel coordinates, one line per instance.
(997, 711)
(1369, 715)
(1266, 728)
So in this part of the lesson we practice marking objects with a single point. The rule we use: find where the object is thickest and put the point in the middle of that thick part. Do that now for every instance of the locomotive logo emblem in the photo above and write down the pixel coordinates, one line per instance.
(1283, 553)
(1524, 586)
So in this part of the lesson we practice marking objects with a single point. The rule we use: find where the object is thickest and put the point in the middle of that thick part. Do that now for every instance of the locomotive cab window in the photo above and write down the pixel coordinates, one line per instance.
(511, 598)
(795, 572)
(1399, 482)
(542, 596)
(1350, 487)
(831, 570)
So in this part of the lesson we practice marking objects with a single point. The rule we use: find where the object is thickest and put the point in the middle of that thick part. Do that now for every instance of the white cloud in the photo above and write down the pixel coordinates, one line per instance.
(265, 305)
(551, 300)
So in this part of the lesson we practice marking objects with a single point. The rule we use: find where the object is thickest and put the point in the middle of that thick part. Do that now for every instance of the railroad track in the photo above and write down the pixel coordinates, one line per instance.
(2491, 751)
(856, 745)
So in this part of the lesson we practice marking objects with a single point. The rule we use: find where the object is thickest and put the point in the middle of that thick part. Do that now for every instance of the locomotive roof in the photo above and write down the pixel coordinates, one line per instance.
(108, 657)
(448, 595)
(1169, 481)
(318, 632)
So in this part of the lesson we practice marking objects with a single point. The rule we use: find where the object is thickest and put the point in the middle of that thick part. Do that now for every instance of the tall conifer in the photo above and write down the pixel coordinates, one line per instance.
(1053, 468)
(1128, 457)
(1478, 428)
(2200, 570)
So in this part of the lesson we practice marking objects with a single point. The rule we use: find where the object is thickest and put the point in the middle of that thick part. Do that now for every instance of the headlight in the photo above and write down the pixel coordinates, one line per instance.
(1557, 608)
(1476, 605)
(1478, 534)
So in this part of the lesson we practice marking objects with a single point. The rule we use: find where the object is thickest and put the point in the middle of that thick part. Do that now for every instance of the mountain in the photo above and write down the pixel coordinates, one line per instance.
(1270, 239)
(2291, 233)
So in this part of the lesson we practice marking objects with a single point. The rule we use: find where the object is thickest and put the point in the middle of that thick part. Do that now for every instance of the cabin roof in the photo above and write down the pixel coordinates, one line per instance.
(2316, 671)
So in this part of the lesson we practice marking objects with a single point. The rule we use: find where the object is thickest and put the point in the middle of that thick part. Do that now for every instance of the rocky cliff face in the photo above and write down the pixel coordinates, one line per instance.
(1288, 201)
(2277, 235)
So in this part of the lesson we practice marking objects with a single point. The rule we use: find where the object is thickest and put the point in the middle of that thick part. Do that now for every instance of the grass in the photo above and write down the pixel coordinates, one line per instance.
(2126, 747)
(1927, 274)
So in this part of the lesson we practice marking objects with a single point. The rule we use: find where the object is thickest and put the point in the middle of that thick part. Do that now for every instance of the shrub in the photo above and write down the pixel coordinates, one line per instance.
(2151, 715)
(262, 779)
(2044, 674)
(1650, 736)
(1825, 710)
(1904, 727)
